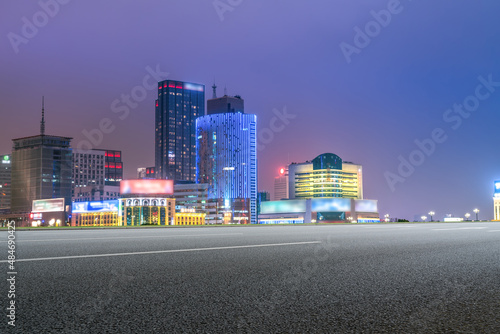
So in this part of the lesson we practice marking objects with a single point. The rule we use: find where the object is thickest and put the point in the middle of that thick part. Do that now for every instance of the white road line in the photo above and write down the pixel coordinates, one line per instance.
(135, 237)
(163, 251)
(472, 228)
(459, 228)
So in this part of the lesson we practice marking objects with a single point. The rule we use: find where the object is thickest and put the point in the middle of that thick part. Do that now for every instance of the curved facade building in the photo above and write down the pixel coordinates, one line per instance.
(325, 176)
(226, 148)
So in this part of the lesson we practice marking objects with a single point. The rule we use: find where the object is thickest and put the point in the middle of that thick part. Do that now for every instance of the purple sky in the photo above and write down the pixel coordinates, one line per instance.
(277, 54)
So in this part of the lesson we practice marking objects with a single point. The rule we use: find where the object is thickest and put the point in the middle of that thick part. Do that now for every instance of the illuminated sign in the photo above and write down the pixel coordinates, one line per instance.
(147, 187)
(35, 216)
(48, 205)
(282, 171)
(365, 205)
(497, 187)
(193, 87)
(293, 206)
(104, 206)
(6, 159)
(331, 205)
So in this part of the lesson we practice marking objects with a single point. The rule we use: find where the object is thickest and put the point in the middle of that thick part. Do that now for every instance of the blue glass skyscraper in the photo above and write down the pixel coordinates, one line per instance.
(226, 148)
(177, 107)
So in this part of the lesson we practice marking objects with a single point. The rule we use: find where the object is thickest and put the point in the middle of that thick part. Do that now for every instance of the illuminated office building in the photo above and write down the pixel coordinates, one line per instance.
(281, 185)
(227, 162)
(5, 180)
(325, 176)
(194, 198)
(177, 107)
(96, 175)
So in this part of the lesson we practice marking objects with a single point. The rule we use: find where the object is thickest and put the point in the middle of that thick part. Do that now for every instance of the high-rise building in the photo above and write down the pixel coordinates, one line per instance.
(225, 104)
(96, 175)
(5, 180)
(41, 169)
(177, 107)
(325, 176)
(281, 185)
(227, 161)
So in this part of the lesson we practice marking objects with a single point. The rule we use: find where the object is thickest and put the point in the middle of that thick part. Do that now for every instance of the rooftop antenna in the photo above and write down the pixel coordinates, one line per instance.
(214, 87)
(42, 123)
(225, 91)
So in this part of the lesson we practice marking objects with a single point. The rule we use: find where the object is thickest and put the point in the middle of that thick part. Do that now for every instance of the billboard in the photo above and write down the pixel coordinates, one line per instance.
(147, 187)
(497, 188)
(366, 205)
(331, 205)
(89, 207)
(293, 206)
(48, 205)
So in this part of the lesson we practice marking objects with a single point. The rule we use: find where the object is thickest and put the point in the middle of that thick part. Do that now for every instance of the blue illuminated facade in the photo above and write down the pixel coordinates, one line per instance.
(226, 148)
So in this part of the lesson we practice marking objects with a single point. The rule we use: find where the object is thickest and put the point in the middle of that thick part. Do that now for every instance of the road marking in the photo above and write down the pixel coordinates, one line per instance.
(459, 228)
(135, 237)
(164, 251)
(494, 231)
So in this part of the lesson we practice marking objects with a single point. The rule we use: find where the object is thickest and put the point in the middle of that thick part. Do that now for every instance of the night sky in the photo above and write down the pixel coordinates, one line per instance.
(368, 104)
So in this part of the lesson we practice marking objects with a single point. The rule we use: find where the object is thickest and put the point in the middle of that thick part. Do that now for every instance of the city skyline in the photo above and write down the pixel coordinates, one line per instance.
(394, 92)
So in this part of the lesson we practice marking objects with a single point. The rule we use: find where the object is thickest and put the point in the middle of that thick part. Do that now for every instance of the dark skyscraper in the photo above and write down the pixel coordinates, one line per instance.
(225, 104)
(178, 105)
(41, 169)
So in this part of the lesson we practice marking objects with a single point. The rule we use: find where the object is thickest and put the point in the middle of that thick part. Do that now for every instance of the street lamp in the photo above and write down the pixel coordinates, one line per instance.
(467, 215)
(349, 219)
(476, 211)
(423, 218)
(386, 217)
(432, 213)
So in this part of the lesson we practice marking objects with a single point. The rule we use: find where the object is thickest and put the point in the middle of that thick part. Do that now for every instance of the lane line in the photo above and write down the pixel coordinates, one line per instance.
(460, 228)
(163, 251)
(135, 237)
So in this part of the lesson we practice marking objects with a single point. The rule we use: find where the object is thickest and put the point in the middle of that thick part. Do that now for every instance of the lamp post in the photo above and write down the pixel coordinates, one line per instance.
(467, 215)
(386, 216)
(476, 211)
(423, 218)
(432, 213)
(349, 219)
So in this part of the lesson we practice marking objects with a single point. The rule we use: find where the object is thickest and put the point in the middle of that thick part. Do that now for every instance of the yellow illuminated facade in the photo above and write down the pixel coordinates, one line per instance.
(136, 211)
(96, 219)
(325, 176)
(189, 218)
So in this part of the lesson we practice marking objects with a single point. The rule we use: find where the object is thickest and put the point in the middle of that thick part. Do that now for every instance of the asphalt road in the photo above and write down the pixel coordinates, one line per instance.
(399, 278)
